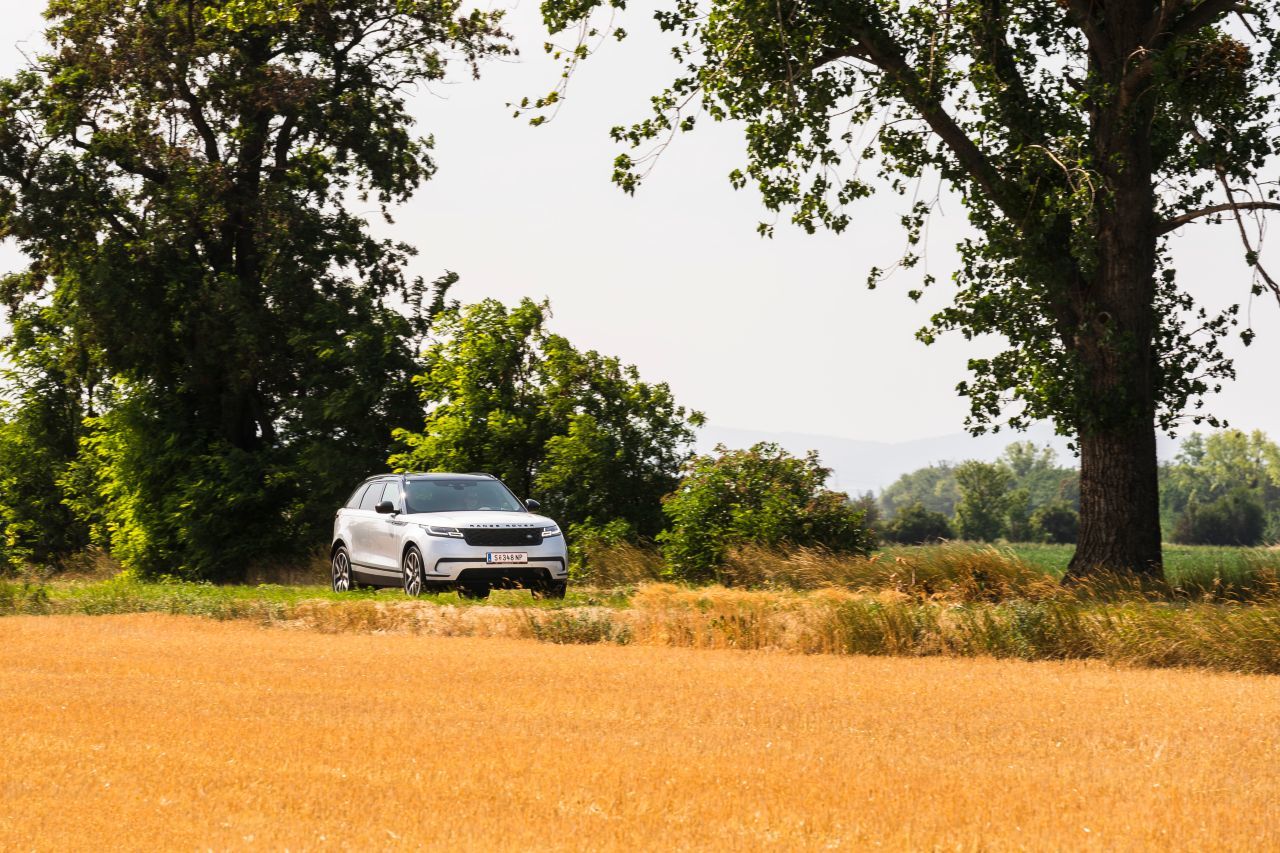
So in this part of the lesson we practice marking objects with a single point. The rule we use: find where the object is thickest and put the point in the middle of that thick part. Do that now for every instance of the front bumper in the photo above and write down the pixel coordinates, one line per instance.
(453, 560)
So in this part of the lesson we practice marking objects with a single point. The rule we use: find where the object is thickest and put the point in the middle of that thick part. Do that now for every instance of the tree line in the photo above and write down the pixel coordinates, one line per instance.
(1220, 489)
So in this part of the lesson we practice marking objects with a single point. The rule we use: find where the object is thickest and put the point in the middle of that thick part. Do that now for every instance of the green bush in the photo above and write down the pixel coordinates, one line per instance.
(762, 496)
(1236, 518)
(1056, 523)
(917, 525)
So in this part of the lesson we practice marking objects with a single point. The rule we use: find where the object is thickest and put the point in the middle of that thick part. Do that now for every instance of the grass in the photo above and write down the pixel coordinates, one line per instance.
(916, 618)
(956, 600)
(159, 732)
(1193, 565)
(1014, 569)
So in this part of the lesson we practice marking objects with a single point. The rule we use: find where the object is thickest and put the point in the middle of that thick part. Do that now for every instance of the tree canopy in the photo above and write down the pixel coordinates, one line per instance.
(181, 174)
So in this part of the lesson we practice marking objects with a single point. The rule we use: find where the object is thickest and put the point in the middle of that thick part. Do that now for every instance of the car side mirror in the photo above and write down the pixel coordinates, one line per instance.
(532, 504)
(384, 508)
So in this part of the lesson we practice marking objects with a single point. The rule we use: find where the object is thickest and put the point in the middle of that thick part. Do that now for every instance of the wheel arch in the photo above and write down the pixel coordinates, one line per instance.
(410, 542)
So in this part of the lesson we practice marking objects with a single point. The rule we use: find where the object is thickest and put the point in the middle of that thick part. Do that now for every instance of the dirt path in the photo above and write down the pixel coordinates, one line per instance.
(153, 731)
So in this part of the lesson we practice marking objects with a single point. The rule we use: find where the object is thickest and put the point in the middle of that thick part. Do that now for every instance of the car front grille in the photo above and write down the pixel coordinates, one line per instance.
(502, 536)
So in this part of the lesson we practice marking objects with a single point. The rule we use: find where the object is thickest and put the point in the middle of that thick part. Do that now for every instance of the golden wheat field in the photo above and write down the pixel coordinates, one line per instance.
(152, 731)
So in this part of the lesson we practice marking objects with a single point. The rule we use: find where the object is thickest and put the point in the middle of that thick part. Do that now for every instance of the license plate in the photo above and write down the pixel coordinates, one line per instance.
(506, 557)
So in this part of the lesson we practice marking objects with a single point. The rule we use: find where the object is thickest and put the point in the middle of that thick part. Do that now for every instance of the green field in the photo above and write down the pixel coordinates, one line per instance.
(1183, 564)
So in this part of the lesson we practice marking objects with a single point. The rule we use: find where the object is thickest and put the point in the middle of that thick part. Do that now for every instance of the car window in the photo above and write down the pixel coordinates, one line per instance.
(372, 495)
(460, 496)
(356, 495)
(392, 493)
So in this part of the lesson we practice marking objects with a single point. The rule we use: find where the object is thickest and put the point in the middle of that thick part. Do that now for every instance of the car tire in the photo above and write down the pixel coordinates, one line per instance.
(411, 571)
(550, 589)
(341, 578)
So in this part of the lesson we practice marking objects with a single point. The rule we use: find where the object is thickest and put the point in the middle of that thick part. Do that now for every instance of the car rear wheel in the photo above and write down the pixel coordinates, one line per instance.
(340, 578)
(411, 567)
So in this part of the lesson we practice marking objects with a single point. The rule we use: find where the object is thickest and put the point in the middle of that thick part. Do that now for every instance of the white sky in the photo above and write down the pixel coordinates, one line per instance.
(778, 334)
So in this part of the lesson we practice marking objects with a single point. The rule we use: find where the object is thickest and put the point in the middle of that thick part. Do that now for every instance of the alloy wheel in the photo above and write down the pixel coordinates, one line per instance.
(412, 573)
(341, 574)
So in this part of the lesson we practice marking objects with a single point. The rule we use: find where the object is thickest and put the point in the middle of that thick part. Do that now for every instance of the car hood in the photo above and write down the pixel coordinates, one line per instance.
(479, 519)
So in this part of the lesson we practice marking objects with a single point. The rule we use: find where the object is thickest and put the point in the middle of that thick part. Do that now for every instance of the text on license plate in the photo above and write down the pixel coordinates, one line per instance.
(506, 557)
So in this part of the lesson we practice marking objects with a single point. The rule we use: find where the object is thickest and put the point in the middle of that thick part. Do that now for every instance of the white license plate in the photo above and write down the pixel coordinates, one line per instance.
(506, 557)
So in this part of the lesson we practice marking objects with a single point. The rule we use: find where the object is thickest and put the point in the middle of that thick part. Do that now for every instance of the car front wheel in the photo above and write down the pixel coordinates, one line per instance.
(340, 570)
(412, 569)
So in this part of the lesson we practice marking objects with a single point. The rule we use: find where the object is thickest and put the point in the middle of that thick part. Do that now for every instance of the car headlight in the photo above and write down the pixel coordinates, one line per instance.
(548, 532)
(436, 530)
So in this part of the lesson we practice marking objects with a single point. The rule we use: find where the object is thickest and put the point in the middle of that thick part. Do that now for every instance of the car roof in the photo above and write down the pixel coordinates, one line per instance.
(433, 476)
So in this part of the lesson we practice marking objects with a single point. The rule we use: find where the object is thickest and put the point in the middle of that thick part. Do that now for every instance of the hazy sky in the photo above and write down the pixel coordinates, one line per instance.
(774, 334)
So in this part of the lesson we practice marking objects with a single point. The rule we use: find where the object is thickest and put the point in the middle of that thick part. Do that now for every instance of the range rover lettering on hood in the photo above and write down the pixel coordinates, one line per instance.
(530, 526)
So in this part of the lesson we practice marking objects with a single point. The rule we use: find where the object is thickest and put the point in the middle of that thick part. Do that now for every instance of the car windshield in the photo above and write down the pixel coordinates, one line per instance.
(459, 496)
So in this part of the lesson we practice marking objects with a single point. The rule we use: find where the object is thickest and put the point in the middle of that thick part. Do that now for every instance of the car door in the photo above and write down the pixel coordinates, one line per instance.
(385, 540)
(366, 526)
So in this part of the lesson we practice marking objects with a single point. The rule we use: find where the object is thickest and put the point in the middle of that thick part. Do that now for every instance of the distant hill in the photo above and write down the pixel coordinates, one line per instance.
(862, 466)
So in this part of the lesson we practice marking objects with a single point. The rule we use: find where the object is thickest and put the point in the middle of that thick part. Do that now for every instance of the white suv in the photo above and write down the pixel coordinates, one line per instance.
(461, 530)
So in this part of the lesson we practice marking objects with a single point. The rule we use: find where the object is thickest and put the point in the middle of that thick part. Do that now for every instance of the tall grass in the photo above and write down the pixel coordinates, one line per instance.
(955, 571)
(959, 620)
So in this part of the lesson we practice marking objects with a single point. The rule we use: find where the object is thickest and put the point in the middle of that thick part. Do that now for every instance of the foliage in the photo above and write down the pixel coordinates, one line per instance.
(932, 487)
(182, 178)
(917, 525)
(40, 426)
(1056, 523)
(761, 496)
(981, 514)
(1013, 104)
(1037, 480)
(1196, 488)
(580, 430)
(1235, 518)
(1036, 471)
(1017, 516)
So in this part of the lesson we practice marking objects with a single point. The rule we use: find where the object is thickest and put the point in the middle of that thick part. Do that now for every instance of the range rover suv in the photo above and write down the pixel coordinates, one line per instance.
(467, 531)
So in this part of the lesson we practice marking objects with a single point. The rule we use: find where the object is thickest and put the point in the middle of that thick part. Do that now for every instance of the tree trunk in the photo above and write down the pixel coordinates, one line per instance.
(1119, 505)
(1115, 338)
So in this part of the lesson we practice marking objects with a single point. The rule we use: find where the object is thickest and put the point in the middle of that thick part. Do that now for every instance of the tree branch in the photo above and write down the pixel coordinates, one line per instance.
(874, 44)
(195, 112)
(1081, 11)
(1235, 207)
(1013, 96)
(127, 164)
(1195, 19)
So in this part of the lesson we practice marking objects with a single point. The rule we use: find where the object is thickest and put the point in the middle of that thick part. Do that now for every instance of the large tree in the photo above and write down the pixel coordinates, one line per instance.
(189, 179)
(1080, 134)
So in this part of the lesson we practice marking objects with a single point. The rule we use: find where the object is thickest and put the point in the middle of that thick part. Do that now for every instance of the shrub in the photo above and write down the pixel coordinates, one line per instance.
(1236, 518)
(1056, 523)
(917, 525)
(762, 496)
